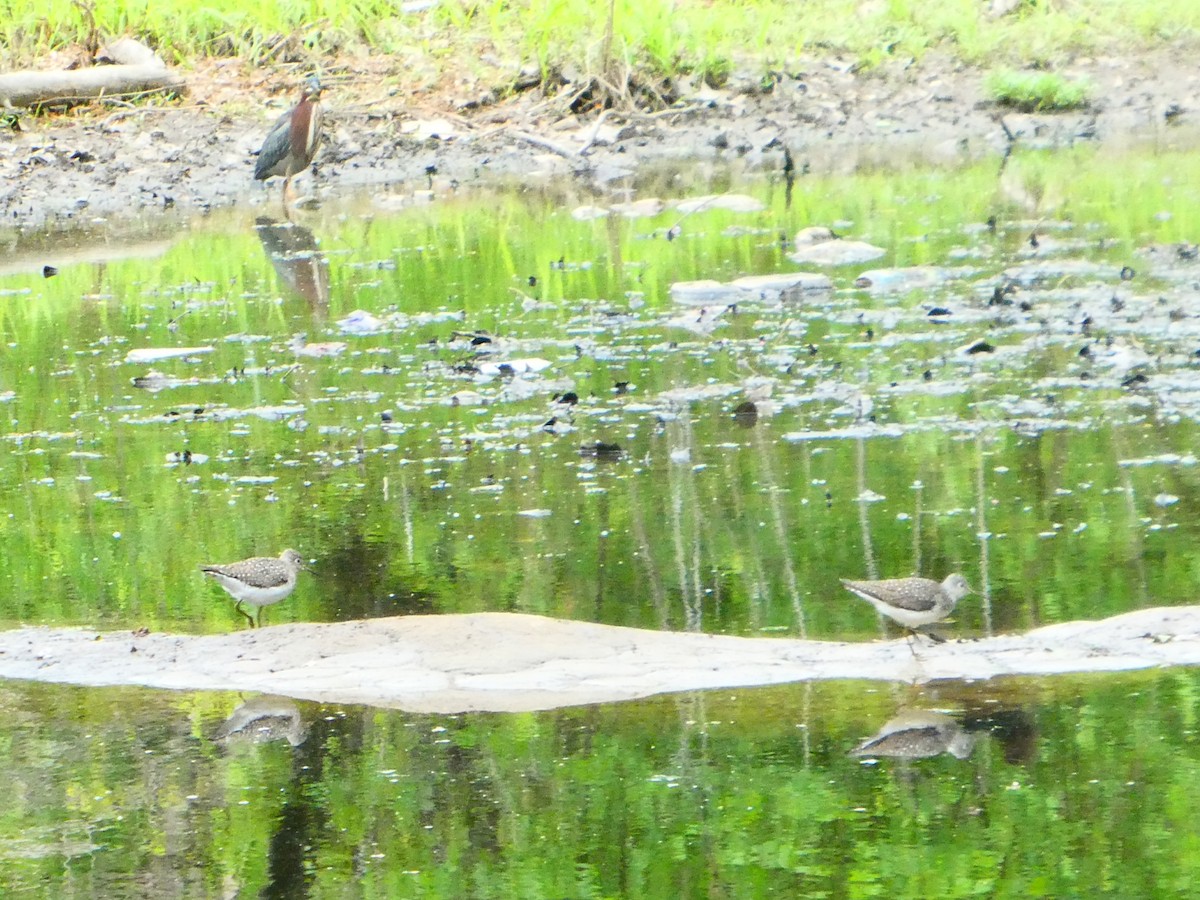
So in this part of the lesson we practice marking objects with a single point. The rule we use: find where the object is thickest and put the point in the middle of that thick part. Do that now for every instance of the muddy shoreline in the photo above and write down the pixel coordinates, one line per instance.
(70, 172)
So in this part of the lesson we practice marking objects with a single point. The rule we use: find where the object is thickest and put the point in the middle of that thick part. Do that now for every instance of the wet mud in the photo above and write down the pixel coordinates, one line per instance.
(73, 171)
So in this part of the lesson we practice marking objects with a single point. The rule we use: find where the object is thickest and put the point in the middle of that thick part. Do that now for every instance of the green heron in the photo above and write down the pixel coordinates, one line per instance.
(292, 142)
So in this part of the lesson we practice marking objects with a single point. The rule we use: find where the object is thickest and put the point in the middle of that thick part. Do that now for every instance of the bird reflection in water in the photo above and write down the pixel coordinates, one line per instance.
(298, 262)
(262, 719)
(918, 734)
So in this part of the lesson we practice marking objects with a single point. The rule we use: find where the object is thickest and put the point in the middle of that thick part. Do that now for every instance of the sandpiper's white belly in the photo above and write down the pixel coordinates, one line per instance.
(254, 596)
(909, 618)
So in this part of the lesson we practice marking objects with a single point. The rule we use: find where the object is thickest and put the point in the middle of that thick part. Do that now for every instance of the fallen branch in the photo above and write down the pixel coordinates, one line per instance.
(33, 89)
(544, 144)
(139, 71)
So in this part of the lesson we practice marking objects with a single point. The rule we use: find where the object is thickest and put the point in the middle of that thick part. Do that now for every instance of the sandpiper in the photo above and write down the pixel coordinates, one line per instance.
(258, 581)
(912, 602)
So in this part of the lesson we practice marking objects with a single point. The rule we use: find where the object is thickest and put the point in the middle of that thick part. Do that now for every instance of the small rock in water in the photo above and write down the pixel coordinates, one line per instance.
(586, 213)
(745, 413)
(638, 209)
(783, 286)
(153, 354)
(977, 347)
(906, 278)
(360, 322)
(701, 292)
(730, 202)
(814, 234)
(601, 450)
(514, 366)
(820, 246)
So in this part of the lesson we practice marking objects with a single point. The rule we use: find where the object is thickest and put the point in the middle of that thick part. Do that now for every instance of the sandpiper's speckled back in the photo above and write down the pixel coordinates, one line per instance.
(261, 571)
(912, 601)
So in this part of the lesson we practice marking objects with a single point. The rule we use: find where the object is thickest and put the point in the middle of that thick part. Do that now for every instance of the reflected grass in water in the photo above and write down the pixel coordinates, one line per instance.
(1076, 785)
(407, 471)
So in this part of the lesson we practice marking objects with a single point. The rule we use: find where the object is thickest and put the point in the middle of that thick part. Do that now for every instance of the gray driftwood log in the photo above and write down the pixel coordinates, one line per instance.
(138, 71)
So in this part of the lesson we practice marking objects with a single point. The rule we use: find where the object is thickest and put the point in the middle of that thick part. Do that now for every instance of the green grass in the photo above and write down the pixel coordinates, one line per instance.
(494, 38)
(1036, 91)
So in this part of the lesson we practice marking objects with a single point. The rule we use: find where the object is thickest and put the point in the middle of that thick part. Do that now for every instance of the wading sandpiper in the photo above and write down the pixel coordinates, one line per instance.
(259, 581)
(912, 602)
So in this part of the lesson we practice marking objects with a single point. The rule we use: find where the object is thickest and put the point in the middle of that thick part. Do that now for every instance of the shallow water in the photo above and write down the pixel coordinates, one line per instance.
(1023, 414)
(1079, 786)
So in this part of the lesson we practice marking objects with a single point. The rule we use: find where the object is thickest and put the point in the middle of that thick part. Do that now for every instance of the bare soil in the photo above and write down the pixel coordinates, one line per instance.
(98, 165)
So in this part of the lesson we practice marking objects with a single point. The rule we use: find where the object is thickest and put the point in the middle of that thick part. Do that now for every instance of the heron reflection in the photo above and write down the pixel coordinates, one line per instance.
(299, 263)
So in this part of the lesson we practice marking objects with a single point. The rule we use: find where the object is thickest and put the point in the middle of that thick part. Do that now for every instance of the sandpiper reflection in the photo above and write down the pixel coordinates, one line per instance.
(918, 734)
(262, 719)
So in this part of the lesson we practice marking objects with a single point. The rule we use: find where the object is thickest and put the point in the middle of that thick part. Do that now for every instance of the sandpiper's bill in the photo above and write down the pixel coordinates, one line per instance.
(259, 581)
(912, 602)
